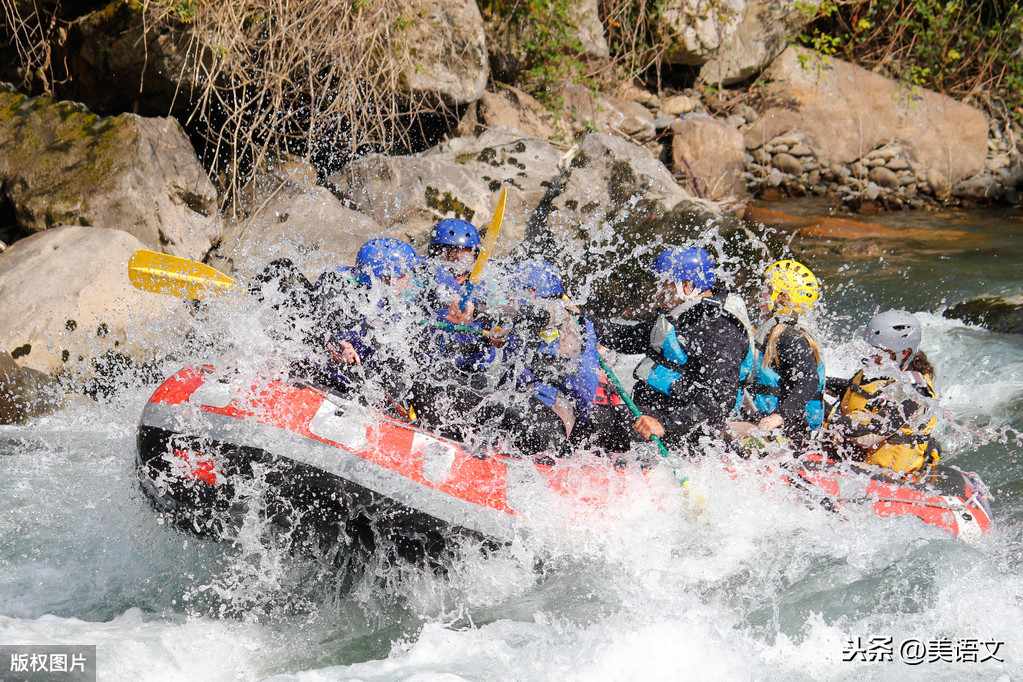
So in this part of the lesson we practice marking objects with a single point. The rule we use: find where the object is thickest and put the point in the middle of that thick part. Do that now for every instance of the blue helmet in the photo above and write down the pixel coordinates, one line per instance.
(538, 275)
(454, 232)
(690, 264)
(385, 258)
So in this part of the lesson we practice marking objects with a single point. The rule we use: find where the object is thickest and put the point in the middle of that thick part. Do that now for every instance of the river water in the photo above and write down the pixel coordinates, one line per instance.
(732, 582)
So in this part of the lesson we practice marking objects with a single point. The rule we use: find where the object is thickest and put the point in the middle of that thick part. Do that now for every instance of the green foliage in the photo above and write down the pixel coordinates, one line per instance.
(958, 47)
(545, 35)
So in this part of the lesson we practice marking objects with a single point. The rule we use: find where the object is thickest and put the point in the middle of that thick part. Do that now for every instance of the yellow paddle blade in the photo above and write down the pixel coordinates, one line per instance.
(490, 239)
(162, 273)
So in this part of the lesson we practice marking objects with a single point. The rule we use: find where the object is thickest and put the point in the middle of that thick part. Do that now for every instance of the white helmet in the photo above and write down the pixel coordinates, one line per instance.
(894, 330)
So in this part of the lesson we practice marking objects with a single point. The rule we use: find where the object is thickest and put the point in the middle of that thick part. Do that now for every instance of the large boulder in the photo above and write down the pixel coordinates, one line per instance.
(411, 193)
(512, 108)
(843, 112)
(695, 30)
(709, 155)
(505, 159)
(764, 30)
(308, 225)
(991, 312)
(67, 301)
(61, 164)
(24, 392)
(614, 194)
(448, 51)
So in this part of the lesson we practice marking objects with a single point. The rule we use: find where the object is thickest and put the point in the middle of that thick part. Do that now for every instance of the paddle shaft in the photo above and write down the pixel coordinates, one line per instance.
(620, 390)
(488, 245)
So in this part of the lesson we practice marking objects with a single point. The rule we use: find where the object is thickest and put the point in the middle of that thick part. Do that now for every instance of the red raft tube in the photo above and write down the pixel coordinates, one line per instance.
(210, 446)
(942, 496)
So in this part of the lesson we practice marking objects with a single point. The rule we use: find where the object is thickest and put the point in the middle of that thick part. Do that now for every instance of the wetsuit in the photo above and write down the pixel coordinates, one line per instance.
(690, 378)
(789, 377)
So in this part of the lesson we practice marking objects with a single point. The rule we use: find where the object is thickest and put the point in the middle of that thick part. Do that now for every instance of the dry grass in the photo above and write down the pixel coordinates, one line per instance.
(36, 31)
(295, 77)
(269, 79)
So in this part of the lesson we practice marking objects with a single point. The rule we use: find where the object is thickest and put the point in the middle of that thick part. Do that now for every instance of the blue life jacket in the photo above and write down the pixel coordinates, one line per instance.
(765, 386)
(446, 287)
(581, 383)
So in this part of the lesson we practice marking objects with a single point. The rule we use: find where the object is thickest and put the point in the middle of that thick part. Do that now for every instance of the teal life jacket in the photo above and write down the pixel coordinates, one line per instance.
(764, 390)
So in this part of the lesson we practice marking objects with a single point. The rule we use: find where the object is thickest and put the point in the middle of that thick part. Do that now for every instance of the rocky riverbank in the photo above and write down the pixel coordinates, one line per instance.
(607, 170)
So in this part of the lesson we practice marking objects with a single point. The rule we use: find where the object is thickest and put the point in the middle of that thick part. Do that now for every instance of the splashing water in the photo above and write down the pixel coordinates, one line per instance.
(752, 583)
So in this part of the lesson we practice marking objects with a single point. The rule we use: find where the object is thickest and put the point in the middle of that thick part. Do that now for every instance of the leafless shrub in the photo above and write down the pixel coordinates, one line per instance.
(288, 77)
(35, 31)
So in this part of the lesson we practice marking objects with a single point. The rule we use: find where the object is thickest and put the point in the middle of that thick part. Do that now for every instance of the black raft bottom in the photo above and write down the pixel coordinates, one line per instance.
(315, 509)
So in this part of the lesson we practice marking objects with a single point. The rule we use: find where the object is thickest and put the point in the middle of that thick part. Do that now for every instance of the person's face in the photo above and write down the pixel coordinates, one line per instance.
(671, 293)
(765, 297)
(400, 284)
(883, 356)
(459, 260)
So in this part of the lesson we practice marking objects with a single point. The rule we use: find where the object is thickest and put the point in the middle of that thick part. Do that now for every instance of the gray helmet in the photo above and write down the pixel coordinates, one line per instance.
(894, 330)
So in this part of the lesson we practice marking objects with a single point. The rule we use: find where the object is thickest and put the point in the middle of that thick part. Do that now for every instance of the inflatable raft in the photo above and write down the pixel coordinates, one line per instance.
(943, 496)
(212, 447)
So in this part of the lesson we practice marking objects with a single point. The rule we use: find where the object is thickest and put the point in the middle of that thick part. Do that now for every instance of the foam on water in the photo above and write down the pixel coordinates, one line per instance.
(736, 578)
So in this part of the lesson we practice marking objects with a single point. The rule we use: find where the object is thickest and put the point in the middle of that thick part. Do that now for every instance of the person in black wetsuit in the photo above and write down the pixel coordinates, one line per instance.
(786, 388)
(696, 348)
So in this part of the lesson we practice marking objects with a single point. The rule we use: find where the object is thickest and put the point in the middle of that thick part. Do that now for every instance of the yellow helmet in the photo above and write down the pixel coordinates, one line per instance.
(796, 280)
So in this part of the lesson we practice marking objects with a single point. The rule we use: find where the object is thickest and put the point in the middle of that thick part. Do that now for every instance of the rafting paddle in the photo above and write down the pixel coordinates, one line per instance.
(488, 245)
(620, 390)
(161, 273)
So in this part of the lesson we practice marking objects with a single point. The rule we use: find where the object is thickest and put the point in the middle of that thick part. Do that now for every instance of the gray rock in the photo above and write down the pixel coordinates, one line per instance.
(25, 393)
(450, 51)
(762, 156)
(584, 17)
(694, 32)
(840, 171)
(787, 163)
(614, 192)
(871, 191)
(763, 32)
(513, 108)
(981, 187)
(307, 225)
(997, 162)
(412, 193)
(61, 164)
(841, 109)
(67, 301)
(748, 113)
(883, 177)
(709, 152)
(897, 164)
(501, 158)
(991, 312)
(801, 150)
(678, 104)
